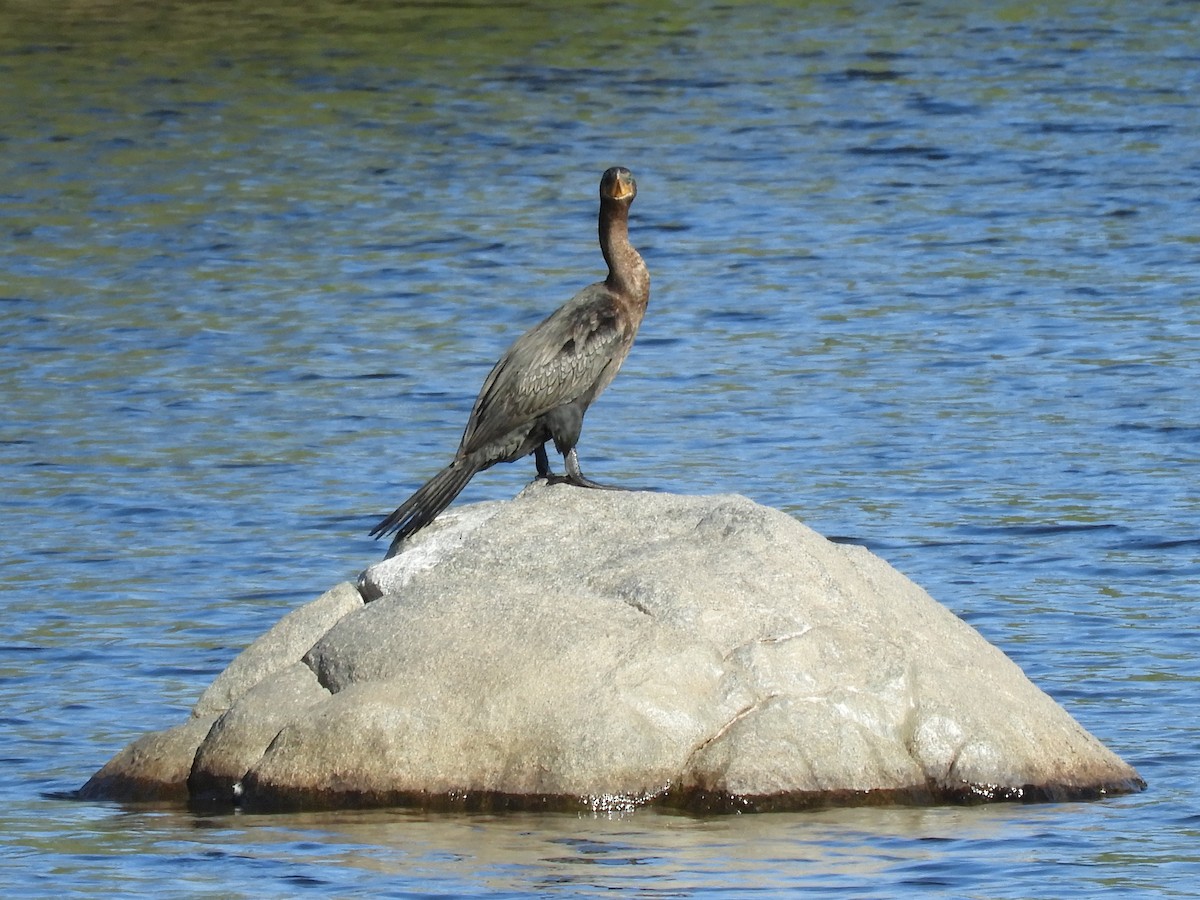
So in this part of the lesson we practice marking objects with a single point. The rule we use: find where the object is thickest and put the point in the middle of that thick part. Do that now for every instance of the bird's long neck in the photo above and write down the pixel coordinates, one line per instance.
(627, 273)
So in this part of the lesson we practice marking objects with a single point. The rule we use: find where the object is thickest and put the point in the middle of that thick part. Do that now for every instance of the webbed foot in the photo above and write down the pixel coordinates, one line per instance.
(577, 478)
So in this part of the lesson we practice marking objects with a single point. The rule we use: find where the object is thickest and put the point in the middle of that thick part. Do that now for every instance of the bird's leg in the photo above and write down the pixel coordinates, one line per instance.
(577, 478)
(543, 463)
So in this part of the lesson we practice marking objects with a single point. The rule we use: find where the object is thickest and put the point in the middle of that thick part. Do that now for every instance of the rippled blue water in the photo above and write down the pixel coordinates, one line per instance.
(927, 276)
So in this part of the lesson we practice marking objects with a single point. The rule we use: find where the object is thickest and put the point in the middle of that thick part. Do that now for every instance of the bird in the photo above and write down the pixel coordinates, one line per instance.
(541, 387)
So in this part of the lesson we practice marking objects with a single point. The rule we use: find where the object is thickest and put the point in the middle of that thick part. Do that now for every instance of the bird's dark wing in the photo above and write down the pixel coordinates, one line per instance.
(572, 354)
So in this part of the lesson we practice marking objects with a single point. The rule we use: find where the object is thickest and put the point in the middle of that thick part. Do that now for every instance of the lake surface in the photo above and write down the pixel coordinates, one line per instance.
(926, 276)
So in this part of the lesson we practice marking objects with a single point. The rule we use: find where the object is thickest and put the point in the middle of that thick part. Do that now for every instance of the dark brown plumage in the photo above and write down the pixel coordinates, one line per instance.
(541, 388)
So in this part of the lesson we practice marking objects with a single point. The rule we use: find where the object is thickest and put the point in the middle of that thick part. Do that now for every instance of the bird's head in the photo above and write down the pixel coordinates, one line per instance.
(618, 184)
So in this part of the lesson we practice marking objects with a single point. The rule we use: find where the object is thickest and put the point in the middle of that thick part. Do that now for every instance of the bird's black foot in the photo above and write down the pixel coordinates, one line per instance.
(582, 480)
(576, 477)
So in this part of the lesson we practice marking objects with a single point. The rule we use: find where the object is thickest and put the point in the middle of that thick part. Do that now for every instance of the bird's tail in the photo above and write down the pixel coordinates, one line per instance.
(430, 499)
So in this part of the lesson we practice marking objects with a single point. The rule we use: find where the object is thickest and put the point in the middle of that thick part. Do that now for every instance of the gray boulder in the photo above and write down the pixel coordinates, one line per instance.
(158, 765)
(590, 649)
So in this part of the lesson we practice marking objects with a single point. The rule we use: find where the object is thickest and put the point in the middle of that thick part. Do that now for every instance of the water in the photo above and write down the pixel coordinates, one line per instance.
(925, 276)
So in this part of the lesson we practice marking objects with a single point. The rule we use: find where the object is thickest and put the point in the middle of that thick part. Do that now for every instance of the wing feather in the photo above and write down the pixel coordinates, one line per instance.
(572, 354)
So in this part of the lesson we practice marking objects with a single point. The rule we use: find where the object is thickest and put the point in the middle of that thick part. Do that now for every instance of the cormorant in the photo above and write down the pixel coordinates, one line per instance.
(540, 388)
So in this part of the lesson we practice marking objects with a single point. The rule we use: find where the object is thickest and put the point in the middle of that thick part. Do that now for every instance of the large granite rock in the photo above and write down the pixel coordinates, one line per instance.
(592, 649)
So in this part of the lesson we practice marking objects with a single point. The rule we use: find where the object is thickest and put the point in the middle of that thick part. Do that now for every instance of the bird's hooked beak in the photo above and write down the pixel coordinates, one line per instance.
(625, 188)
